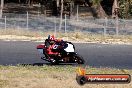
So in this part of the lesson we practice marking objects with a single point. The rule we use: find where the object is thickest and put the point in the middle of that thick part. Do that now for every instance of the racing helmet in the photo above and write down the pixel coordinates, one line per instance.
(51, 37)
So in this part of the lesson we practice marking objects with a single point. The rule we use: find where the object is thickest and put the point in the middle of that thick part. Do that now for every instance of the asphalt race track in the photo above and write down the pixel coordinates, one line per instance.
(95, 55)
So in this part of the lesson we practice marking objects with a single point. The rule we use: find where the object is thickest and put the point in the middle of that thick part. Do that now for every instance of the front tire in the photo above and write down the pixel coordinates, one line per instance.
(54, 61)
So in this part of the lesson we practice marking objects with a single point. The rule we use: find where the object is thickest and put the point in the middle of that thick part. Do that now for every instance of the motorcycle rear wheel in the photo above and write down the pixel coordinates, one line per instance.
(79, 59)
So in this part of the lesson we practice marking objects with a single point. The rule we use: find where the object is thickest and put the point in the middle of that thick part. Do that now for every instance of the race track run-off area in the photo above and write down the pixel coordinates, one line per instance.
(95, 55)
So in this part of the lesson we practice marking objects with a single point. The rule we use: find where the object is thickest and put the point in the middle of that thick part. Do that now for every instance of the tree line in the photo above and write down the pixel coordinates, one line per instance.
(125, 6)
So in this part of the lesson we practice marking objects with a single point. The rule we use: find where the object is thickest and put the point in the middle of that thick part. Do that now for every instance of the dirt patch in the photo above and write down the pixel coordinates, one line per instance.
(78, 37)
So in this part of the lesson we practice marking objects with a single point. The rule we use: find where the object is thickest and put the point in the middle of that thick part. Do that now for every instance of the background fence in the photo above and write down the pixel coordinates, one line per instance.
(89, 25)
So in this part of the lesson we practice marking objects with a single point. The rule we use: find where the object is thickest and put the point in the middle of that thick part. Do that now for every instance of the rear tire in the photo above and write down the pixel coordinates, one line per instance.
(78, 59)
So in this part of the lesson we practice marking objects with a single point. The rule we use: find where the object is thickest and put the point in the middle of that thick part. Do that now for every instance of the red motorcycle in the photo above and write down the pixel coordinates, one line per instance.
(60, 53)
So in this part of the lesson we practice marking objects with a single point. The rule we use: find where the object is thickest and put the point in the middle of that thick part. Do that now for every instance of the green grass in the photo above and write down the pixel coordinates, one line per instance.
(53, 77)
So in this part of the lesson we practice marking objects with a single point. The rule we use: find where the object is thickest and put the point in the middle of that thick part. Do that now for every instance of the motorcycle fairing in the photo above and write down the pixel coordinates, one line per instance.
(41, 48)
(50, 51)
(69, 48)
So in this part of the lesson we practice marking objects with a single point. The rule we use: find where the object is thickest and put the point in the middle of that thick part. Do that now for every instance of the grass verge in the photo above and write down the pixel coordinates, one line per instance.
(23, 34)
(53, 77)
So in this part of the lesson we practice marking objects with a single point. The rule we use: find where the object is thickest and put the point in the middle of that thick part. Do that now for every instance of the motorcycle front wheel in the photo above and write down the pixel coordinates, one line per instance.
(54, 61)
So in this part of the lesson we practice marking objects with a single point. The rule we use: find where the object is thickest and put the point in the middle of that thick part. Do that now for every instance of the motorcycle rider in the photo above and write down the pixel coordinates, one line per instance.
(52, 45)
(49, 41)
